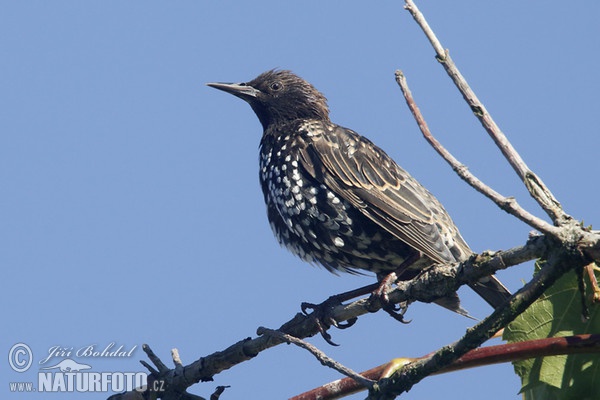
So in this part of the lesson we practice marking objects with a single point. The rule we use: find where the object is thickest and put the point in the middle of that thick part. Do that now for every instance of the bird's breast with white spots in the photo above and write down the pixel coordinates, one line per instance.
(313, 222)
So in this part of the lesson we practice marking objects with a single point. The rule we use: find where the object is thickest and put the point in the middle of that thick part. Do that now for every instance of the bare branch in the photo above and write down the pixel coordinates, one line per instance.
(436, 282)
(322, 357)
(508, 204)
(155, 359)
(534, 184)
(432, 284)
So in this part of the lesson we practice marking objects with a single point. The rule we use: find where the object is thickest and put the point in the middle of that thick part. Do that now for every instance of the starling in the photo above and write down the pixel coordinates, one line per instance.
(334, 198)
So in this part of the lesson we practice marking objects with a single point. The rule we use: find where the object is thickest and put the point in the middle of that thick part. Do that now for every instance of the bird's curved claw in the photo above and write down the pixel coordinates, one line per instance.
(323, 319)
(380, 297)
(396, 311)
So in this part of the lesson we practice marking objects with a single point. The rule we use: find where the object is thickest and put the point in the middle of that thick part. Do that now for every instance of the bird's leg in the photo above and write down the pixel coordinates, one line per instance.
(322, 312)
(380, 294)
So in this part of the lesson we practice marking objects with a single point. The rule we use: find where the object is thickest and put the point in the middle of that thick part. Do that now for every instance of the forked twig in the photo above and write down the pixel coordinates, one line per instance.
(508, 204)
(538, 190)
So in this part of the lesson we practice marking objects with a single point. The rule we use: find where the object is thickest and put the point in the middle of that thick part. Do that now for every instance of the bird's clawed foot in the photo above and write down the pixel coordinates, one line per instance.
(323, 318)
(380, 297)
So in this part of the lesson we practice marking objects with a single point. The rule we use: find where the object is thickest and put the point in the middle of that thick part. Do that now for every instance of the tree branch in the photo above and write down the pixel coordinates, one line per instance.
(436, 282)
(478, 357)
(558, 263)
(508, 204)
(566, 245)
(534, 184)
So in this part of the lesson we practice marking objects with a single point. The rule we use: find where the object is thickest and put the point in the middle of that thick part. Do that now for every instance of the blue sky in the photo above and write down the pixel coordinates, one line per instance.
(130, 207)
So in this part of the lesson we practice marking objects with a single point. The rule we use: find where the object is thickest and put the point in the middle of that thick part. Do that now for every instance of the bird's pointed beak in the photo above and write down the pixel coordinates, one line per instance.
(241, 90)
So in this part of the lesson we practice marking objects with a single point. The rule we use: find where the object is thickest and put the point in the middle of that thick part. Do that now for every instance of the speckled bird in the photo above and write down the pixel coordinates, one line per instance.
(334, 198)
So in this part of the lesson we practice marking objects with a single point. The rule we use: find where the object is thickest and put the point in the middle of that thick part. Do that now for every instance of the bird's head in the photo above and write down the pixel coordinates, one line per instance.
(278, 97)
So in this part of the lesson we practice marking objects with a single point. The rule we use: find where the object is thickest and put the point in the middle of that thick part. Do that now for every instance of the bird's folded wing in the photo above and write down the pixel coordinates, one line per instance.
(370, 180)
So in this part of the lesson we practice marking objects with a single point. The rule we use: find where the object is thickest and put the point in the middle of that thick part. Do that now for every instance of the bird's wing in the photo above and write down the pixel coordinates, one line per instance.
(364, 175)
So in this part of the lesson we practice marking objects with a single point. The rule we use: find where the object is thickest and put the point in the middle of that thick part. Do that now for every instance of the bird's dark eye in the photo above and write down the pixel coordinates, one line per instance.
(276, 86)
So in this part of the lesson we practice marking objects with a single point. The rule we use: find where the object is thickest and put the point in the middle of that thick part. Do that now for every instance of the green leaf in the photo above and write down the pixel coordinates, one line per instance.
(557, 313)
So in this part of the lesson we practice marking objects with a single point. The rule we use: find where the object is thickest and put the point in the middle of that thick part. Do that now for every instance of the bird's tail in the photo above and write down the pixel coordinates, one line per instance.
(452, 303)
(491, 290)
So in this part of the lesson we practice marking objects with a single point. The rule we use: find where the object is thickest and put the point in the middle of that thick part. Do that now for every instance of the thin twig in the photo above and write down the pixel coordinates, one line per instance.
(538, 190)
(150, 368)
(322, 357)
(508, 204)
(218, 391)
(162, 368)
